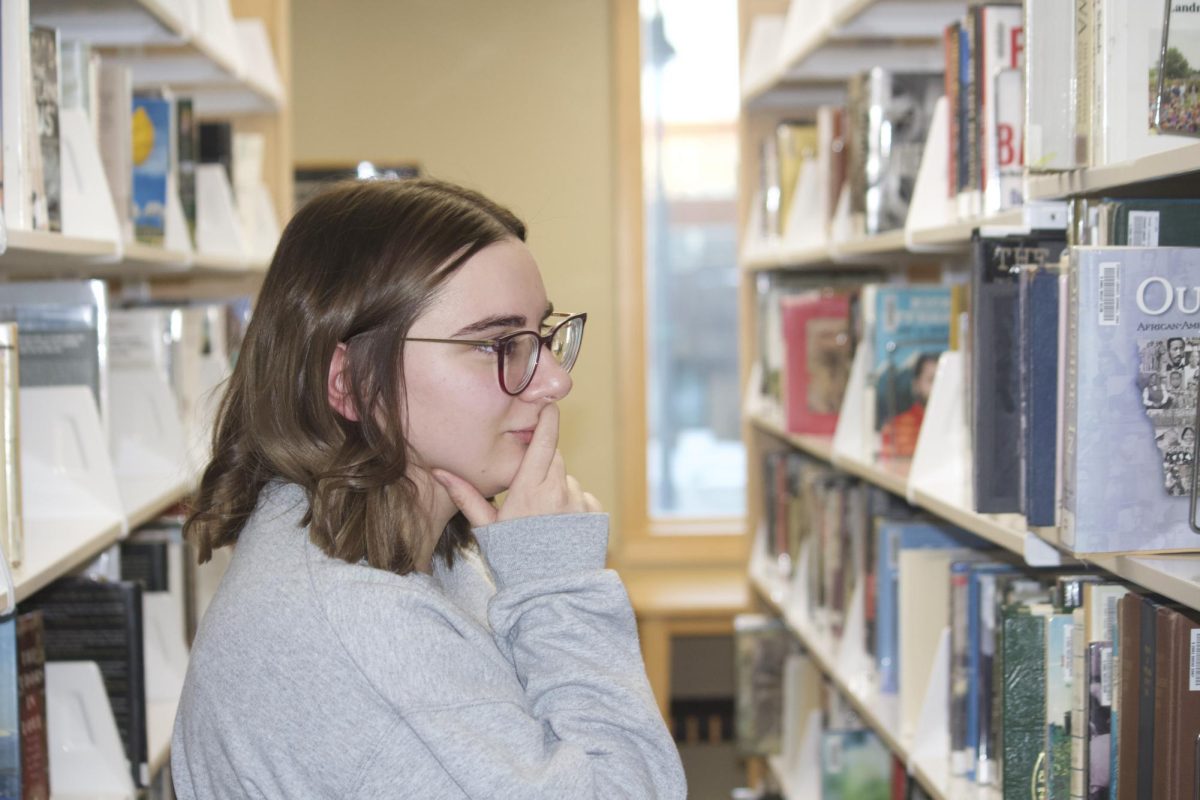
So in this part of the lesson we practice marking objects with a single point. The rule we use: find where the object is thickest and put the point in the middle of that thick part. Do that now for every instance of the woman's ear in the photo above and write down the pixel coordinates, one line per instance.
(340, 398)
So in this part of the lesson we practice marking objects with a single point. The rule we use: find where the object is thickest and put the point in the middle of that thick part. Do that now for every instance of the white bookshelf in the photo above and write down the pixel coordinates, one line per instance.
(1156, 167)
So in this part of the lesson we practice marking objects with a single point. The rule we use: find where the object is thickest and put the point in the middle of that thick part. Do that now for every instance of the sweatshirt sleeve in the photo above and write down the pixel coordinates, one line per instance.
(580, 721)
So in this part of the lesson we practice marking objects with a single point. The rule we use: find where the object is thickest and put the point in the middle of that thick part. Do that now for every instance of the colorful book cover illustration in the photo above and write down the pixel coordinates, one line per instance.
(761, 645)
(816, 332)
(1133, 367)
(855, 765)
(1175, 82)
(911, 329)
(151, 167)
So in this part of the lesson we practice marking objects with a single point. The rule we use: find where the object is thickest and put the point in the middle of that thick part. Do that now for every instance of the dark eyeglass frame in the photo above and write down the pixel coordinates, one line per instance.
(497, 346)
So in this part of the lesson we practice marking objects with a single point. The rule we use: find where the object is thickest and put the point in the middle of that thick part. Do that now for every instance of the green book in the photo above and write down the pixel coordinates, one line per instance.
(1023, 708)
(1059, 633)
(1153, 223)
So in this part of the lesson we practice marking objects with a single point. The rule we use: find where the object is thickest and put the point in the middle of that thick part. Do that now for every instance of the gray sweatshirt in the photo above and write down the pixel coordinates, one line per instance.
(513, 676)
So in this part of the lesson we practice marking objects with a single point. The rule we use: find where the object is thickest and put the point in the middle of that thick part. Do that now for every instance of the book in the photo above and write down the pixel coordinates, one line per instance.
(1161, 222)
(1050, 90)
(831, 160)
(995, 378)
(61, 339)
(855, 765)
(795, 142)
(1176, 108)
(1000, 63)
(817, 360)
(10, 711)
(1038, 305)
(12, 525)
(1176, 704)
(151, 166)
(215, 145)
(188, 155)
(43, 49)
(907, 328)
(1060, 680)
(892, 539)
(31, 681)
(888, 118)
(1023, 702)
(101, 621)
(761, 645)
(1129, 411)
(981, 656)
(1099, 720)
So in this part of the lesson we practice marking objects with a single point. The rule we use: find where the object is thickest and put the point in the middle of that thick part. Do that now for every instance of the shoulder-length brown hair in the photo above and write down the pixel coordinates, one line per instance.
(356, 265)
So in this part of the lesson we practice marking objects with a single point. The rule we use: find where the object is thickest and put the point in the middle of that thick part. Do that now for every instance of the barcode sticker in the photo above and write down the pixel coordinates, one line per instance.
(1110, 293)
(1194, 672)
(1106, 677)
(1143, 229)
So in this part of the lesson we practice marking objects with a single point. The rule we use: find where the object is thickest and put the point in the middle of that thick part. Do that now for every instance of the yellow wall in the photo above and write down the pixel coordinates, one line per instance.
(512, 98)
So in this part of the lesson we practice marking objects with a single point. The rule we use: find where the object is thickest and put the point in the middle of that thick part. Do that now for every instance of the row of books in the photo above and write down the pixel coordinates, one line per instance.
(1044, 664)
(133, 612)
(67, 109)
(778, 687)
(78, 333)
(1051, 384)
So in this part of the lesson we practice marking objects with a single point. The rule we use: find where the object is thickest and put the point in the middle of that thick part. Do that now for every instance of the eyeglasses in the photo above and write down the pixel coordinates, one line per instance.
(517, 353)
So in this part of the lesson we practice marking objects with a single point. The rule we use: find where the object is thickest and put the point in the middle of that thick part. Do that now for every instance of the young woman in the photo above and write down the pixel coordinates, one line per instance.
(384, 630)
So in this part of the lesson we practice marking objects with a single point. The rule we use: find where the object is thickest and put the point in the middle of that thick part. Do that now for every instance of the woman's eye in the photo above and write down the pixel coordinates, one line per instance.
(488, 348)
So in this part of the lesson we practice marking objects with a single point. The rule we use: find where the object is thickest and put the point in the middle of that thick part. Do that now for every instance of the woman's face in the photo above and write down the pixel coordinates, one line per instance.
(459, 419)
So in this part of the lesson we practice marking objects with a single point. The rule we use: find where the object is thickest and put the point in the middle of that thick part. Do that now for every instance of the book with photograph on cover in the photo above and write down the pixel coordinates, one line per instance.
(816, 340)
(1132, 378)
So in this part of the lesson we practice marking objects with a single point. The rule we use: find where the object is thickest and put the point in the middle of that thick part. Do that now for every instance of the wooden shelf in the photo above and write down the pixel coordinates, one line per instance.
(1173, 165)
(45, 254)
(54, 548)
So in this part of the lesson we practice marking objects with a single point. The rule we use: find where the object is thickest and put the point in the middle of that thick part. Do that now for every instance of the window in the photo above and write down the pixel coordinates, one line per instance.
(677, 106)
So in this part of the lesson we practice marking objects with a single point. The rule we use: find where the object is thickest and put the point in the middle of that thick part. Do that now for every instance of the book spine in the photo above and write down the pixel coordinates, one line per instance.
(12, 531)
(1070, 395)
(1167, 677)
(1079, 695)
(951, 36)
(1085, 44)
(960, 757)
(35, 758)
(1147, 664)
(1129, 649)
(1024, 703)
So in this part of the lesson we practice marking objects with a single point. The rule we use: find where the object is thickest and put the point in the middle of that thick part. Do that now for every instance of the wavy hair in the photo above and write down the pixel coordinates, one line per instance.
(358, 264)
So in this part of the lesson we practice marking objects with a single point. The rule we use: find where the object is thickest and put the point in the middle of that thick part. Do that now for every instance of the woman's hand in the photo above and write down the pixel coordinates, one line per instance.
(541, 485)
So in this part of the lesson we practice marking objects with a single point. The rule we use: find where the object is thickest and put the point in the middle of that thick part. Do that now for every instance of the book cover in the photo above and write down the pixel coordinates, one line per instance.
(1161, 222)
(1038, 303)
(1129, 408)
(1177, 104)
(892, 539)
(995, 369)
(35, 756)
(1059, 684)
(910, 329)
(1002, 100)
(151, 166)
(855, 765)
(890, 114)
(61, 341)
(187, 155)
(1023, 715)
(831, 158)
(761, 646)
(10, 711)
(795, 142)
(1176, 704)
(101, 621)
(1050, 93)
(12, 523)
(817, 360)
(1099, 720)
(43, 51)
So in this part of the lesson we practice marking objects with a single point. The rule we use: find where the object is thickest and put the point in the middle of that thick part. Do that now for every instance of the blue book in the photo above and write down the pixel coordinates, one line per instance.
(910, 329)
(151, 167)
(1132, 378)
(891, 538)
(10, 717)
(981, 651)
(1039, 291)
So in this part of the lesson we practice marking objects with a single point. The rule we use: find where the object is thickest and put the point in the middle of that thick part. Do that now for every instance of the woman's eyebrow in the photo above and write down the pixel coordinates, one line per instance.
(494, 321)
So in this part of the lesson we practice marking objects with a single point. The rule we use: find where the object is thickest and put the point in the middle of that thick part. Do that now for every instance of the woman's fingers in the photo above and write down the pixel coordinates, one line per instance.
(474, 506)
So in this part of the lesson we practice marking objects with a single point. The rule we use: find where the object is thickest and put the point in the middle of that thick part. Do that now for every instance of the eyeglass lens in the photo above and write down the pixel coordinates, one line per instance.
(521, 351)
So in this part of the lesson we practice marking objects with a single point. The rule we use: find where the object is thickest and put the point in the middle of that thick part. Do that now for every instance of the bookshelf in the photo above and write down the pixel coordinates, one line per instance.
(88, 483)
(788, 50)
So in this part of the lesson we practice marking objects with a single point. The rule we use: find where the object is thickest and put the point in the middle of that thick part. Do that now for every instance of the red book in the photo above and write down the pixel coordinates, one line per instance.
(817, 354)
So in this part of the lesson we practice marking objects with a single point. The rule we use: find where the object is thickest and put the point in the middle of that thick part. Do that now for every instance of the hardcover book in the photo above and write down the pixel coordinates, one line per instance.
(101, 621)
(151, 166)
(43, 49)
(995, 368)
(816, 333)
(1176, 704)
(61, 341)
(908, 327)
(1023, 716)
(31, 681)
(1050, 89)
(1002, 100)
(1099, 720)
(855, 765)
(1038, 304)
(10, 711)
(762, 645)
(888, 119)
(795, 142)
(187, 155)
(1059, 684)
(12, 524)
(1133, 371)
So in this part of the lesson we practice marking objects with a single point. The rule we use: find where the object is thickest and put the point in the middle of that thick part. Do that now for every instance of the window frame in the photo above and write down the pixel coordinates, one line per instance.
(645, 541)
